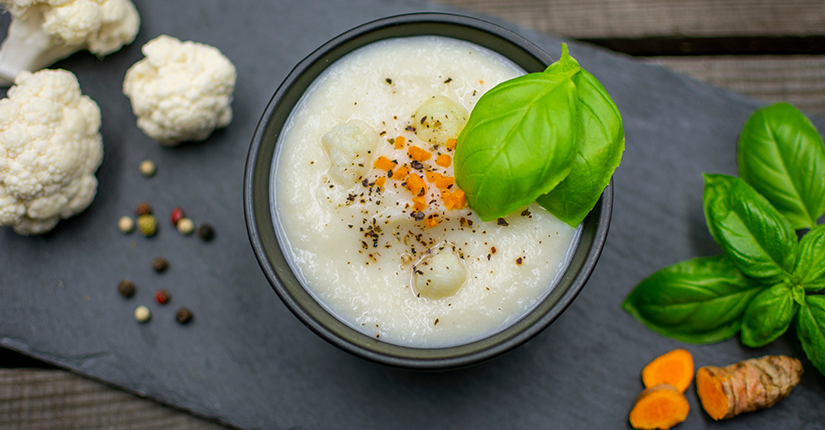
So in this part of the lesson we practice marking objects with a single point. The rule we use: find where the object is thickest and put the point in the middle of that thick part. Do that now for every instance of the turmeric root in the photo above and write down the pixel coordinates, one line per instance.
(674, 368)
(746, 386)
(659, 407)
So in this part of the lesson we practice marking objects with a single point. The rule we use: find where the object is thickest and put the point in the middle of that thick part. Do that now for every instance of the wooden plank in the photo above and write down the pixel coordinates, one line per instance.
(799, 80)
(643, 18)
(56, 399)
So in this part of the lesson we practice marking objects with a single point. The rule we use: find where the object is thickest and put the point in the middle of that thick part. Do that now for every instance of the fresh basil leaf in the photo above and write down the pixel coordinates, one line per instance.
(810, 328)
(697, 301)
(782, 156)
(757, 238)
(810, 260)
(768, 316)
(519, 142)
(598, 150)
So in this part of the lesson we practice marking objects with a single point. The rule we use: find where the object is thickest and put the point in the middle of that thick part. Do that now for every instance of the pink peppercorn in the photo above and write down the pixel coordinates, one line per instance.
(162, 296)
(177, 214)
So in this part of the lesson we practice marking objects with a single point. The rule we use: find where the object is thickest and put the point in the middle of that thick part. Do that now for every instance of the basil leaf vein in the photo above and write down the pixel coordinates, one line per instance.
(810, 328)
(697, 301)
(810, 261)
(757, 238)
(782, 156)
(768, 316)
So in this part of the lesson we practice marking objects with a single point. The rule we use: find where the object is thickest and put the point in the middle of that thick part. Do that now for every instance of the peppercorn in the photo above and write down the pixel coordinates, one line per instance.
(206, 232)
(186, 226)
(183, 316)
(148, 225)
(148, 168)
(142, 314)
(126, 224)
(126, 288)
(176, 216)
(143, 209)
(160, 264)
(162, 296)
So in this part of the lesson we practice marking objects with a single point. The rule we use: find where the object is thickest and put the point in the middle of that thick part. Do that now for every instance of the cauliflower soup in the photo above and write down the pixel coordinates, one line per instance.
(371, 219)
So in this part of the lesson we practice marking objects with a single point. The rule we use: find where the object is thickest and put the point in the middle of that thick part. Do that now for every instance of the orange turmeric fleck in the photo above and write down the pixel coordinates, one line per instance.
(415, 184)
(444, 160)
(400, 173)
(384, 163)
(444, 181)
(453, 200)
(418, 154)
(432, 176)
(451, 144)
(674, 368)
(381, 181)
(420, 202)
(431, 222)
(458, 199)
(399, 142)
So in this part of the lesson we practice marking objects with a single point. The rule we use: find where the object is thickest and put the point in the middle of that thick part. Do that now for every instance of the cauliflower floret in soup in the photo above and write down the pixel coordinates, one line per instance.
(350, 148)
(439, 275)
(440, 119)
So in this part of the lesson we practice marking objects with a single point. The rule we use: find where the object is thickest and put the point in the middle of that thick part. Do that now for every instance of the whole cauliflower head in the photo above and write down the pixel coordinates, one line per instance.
(181, 91)
(50, 148)
(45, 31)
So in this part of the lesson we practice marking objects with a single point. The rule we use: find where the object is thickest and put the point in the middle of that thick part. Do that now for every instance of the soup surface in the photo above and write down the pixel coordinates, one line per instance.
(376, 230)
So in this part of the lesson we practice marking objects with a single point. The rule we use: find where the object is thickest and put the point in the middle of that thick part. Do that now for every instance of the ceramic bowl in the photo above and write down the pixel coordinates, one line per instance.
(261, 225)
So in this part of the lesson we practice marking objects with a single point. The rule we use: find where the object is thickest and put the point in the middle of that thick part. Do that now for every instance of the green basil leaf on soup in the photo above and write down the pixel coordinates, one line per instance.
(697, 301)
(782, 156)
(518, 143)
(757, 238)
(598, 149)
(810, 328)
(768, 315)
(810, 260)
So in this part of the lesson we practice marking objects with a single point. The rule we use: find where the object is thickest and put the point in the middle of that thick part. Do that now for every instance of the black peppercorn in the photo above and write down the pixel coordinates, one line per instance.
(206, 232)
(143, 209)
(126, 288)
(160, 264)
(183, 316)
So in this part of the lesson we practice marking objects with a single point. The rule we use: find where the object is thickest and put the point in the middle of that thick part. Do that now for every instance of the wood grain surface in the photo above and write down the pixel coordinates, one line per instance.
(56, 399)
(638, 18)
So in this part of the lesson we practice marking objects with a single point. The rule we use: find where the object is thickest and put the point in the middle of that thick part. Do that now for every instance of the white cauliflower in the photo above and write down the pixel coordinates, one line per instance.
(45, 31)
(181, 91)
(440, 275)
(50, 148)
(440, 119)
(350, 148)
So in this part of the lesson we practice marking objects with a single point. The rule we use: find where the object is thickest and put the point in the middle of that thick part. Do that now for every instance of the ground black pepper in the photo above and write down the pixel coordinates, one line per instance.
(502, 222)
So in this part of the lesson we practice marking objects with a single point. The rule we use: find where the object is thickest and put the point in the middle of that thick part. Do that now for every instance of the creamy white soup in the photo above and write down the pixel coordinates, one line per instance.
(371, 219)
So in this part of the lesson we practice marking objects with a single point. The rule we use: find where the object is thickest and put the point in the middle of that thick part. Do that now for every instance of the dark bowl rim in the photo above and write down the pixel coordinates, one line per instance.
(602, 212)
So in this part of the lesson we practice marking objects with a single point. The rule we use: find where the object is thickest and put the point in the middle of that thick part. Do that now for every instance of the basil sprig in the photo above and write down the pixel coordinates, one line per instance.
(782, 156)
(758, 285)
(555, 136)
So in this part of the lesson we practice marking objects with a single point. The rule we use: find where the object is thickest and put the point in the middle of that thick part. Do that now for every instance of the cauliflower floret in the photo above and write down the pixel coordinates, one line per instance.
(50, 148)
(45, 31)
(350, 147)
(439, 275)
(440, 119)
(181, 91)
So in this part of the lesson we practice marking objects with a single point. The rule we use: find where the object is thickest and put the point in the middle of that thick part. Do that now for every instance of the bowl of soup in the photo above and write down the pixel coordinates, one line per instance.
(356, 220)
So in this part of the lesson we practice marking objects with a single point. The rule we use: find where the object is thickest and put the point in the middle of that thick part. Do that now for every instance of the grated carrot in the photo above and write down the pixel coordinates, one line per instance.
(418, 154)
(444, 160)
(415, 184)
(420, 203)
(444, 181)
(399, 142)
(400, 173)
(384, 163)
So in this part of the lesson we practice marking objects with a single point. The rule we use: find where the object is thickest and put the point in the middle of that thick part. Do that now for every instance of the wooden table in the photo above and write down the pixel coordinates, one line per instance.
(680, 36)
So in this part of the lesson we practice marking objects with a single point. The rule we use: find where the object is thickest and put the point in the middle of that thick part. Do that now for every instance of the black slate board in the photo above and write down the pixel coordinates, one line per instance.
(247, 361)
